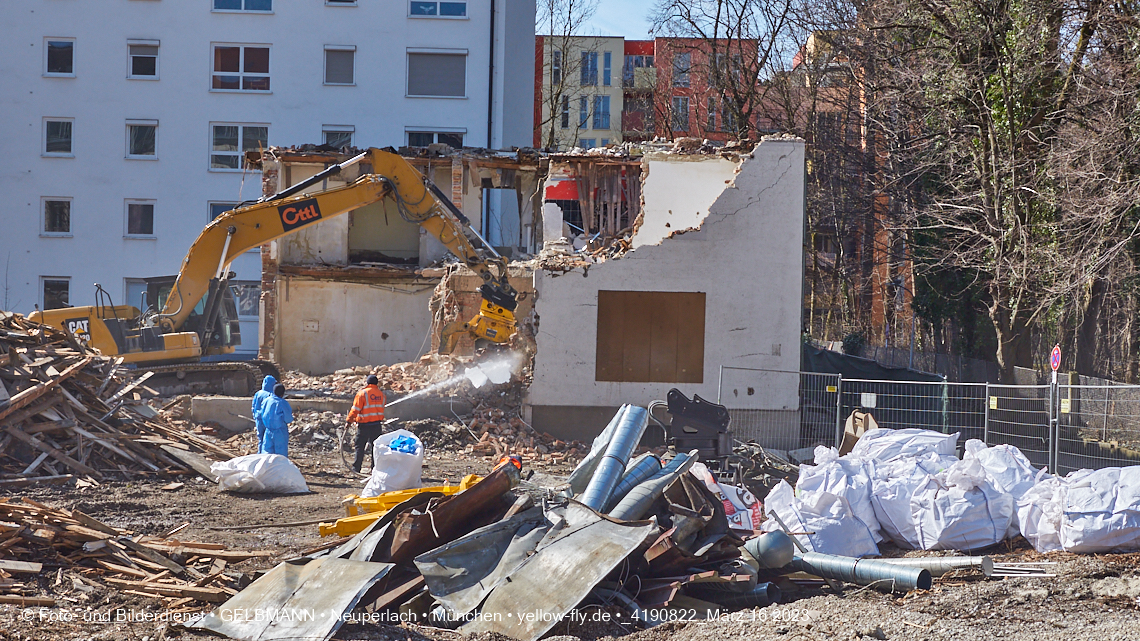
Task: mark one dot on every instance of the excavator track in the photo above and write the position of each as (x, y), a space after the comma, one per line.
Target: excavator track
(227, 378)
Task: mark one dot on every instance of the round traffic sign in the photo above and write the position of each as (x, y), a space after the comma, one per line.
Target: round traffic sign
(1055, 357)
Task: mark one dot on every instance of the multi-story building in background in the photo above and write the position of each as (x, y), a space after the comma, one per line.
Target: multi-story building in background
(126, 122)
(578, 91)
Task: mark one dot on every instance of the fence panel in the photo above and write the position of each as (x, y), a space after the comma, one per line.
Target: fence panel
(1099, 426)
(781, 409)
(943, 407)
(1018, 415)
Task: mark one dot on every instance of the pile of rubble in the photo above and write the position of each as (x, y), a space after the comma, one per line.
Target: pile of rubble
(500, 434)
(67, 411)
(36, 540)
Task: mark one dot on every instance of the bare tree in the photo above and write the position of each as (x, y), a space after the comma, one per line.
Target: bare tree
(564, 23)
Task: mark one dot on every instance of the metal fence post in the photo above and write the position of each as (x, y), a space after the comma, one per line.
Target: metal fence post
(1053, 425)
(986, 418)
(839, 412)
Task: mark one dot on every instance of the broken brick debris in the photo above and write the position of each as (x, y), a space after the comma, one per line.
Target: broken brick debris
(65, 409)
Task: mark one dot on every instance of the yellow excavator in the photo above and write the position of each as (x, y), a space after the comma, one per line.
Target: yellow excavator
(192, 315)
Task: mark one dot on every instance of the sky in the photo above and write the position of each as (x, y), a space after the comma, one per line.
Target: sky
(620, 18)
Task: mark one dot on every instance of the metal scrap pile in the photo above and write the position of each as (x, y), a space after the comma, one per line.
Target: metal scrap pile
(68, 412)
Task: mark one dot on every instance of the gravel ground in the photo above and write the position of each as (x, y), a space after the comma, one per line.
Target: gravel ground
(1093, 597)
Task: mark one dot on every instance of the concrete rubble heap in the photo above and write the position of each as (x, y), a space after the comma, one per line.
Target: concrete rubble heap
(69, 412)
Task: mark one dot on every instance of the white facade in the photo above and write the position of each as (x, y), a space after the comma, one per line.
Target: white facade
(375, 53)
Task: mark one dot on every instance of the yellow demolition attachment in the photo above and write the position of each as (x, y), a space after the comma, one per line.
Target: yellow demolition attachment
(362, 512)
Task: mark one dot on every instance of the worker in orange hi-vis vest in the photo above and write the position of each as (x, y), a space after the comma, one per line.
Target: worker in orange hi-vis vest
(368, 414)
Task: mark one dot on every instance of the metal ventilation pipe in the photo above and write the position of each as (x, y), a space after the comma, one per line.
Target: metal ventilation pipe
(582, 474)
(639, 470)
(762, 595)
(635, 504)
(939, 565)
(627, 435)
(772, 550)
(883, 576)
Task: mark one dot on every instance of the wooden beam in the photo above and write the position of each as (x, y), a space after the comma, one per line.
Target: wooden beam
(54, 453)
(27, 396)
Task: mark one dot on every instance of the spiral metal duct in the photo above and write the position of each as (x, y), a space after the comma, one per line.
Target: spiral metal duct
(635, 504)
(761, 596)
(771, 550)
(639, 470)
(627, 435)
(883, 576)
(584, 471)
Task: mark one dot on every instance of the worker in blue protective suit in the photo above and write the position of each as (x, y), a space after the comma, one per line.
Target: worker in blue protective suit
(276, 415)
(259, 398)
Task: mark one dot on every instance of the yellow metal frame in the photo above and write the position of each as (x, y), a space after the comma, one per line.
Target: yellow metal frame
(362, 512)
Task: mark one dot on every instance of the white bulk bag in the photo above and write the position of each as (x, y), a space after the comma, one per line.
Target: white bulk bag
(268, 473)
(893, 484)
(1102, 511)
(960, 509)
(829, 517)
(392, 470)
(1041, 511)
(843, 476)
(882, 445)
(1007, 468)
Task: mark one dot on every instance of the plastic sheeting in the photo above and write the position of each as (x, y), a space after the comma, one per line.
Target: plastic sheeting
(266, 473)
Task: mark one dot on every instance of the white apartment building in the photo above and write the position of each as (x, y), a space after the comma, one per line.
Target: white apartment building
(124, 121)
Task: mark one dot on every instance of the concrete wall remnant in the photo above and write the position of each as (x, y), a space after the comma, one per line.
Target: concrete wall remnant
(746, 258)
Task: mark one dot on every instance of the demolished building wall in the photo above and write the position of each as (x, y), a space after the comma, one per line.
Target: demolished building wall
(743, 264)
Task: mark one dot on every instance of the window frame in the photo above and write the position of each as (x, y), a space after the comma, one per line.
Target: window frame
(410, 51)
(555, 67)
(676, 112)
(71, 139)
(141, 123)
(241, 75)
(436, 15)
(130, 58)
(583, 113)
(607, 69)
(338, 129)
(237, 301)
(711, 115)
(42, 294)
(325, 74)
(600, 118)
(240, 153)
(57, 74)
(44, 200)
(214, 9)
(682, 78)
(127, 202)
(435, 132)
(588, 69)
(565, 112)
(341, 3)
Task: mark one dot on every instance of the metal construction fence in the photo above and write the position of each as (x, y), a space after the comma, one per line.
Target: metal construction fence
(1062, 427)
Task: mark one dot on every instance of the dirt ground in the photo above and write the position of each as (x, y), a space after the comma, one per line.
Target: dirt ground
(1092, 597)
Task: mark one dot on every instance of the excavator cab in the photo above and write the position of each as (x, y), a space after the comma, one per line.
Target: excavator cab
(219, 335)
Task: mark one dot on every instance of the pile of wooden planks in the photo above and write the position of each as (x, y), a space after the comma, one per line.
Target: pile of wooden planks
(36, 539)
(68, 412)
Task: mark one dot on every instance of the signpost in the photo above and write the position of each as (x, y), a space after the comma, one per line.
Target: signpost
(1055, 363)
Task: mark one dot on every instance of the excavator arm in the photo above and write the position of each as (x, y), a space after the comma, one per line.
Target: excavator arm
(205, 270)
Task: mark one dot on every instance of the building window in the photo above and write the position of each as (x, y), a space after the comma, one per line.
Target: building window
(59, 57)
(728, 118)
(425, 138)
(565, 112)
(631, 63)
(651, 337)
(680, 113)
(583, 112)
(712, 114)
(341, 3)
(555, 68)
(217, 209)
(605, 141)
(587, 143)
(340, 63)
(241, 68)
(437, 74)
(140, 219)
(228, 142)
(57, 216)
(419, 9)
(338, 136)
(142, 60)
(607, 64)
(57, 136)
(681, 66)
(589, 69)
(243, 5)
(142, 139)
(56, 291)
(601, 112)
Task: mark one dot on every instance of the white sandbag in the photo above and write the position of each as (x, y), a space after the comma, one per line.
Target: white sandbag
(893, 484)
(1007, 468)
(960, 509)
(829, 517)
(393, 470)
(265, 473)
(1102, 511)
(1041, 511)
(846, 477)
(744, 512)
(882, 445)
